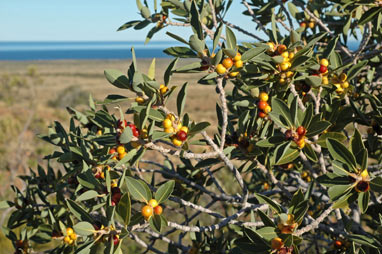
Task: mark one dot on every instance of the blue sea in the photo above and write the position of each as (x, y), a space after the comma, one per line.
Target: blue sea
(21, 51)
(82, 50)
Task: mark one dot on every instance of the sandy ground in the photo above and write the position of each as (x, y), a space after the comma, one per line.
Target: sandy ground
(88, 75)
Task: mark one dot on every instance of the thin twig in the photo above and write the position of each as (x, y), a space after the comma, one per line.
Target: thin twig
(225, 112)
(294, 92)
(273, 179)
(230, 166)
(168, 172)
(165, 239)
(143, 244)
(179, 152)
(284, 25)
(213, 13)
(254, 16)
(366, 38)
(315, 223)
(323, 26)
(288, 16)
(242, 30)
(223, 223)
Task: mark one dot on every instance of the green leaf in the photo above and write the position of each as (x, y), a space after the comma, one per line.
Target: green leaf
(151, 33)
(195, 21)
(109, 247)
(271, 141)
(317, 128)
(292, 9)
(274, 27)
(339, 152)
(358, 149)
(128, 25)
(330, 48)
(279, 107)
(231, 39)
(192, 67)
(376, 184)
(113, 98)
(176, 37)
(369, 15)
(242, 103)
(355, 69)
(340, 168)
(294, 36)
(145, 12)
(279, 120)
(308, 114)
(252, 53)
(138, 189)
(88, 180)
(217, 36)
(278, 59)
(84, 228)
(91, 102)
(363, 201)
(151, 72)
(297, 198)
(124, 209)
(87, 195)
(196, 44)
(230, 52)
(363, 240)
(126, 136)
(5, 204)
(78, 211)
(164, 191)
(285, 154)
(265, 200)
(142, 24)
(127, 158)
(294, 112)
(346, 199)
(314, 81)
(310, 153)
(139, 4)
(182, 52)
(337, 191)
(331, 179)
(345, 28)
(255, 237)
(335, 60)
(315, 39)
(300, 210)
(268, 233)
(265, 219)
(85, 248)
(198, 128)
(298, 61)
(117, 78)
(333, 135)
(168, 73)
(181, 99)
(156, 222)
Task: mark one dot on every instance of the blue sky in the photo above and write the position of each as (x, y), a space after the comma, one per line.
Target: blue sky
(84, 20)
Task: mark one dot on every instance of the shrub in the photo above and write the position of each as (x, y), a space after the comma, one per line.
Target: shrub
(70, 96)
(289, 169)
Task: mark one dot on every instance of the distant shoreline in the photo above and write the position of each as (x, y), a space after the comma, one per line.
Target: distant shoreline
(22, 51)
(82, 50)
(80, 60)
